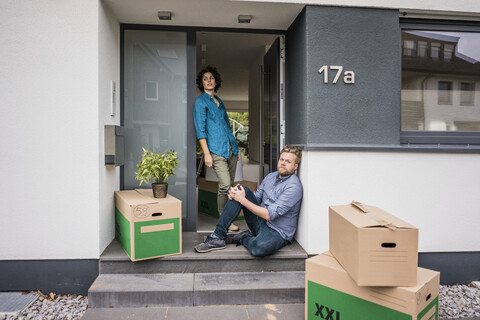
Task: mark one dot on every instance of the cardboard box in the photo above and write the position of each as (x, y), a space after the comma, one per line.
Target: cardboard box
(207, 195)
(330, 293)
(148, 227)
(375, 247)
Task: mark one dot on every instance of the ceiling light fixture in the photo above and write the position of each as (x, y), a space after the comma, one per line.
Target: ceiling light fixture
(244, 18)
(165, 15)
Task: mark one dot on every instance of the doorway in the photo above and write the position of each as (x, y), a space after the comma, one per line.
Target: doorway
(158, 93)
(250, 67)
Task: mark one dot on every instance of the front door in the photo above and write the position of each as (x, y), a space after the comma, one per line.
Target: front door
(271, 107)
(157, 108)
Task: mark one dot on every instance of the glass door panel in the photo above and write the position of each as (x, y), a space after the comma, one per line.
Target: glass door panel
(155, 103)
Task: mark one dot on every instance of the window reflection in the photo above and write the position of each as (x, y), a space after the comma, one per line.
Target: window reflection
(440, 81)
(155, 103)
(422, 49)
(444, 92)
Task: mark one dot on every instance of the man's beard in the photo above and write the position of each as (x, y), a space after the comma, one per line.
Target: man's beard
(284, 173)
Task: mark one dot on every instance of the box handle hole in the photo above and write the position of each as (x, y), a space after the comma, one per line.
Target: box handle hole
(389, 245)
(428, 297)
(157, 214)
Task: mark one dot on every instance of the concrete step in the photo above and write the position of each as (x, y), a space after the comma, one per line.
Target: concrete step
(114, 260)
(141, 290)
(294, 311)
(249, 288)
(199, 289)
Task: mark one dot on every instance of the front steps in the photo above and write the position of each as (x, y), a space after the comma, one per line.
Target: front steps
(222, 277)
(199, 289)
(232, 259)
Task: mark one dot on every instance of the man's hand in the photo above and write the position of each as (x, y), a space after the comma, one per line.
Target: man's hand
(236, 193)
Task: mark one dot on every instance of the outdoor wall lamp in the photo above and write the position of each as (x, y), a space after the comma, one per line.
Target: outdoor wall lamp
(165, 15)
(244, 18)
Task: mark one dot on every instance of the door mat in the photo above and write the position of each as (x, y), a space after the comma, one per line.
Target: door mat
(13, 303)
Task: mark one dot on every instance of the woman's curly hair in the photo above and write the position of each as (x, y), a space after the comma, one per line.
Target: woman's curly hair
(216, 75)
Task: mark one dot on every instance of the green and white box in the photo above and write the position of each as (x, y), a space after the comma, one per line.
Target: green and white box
(148, 227)
(207, 196)
(332, 294)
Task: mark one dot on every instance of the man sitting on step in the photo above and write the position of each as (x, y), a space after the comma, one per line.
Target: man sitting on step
(271, 212)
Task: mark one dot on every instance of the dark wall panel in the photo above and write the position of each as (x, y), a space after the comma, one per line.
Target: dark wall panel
(296, 79)
(364, 41)
(454, 267)
(59, 276)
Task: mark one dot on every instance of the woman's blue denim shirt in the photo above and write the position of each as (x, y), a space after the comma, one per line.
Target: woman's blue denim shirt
(212, 123)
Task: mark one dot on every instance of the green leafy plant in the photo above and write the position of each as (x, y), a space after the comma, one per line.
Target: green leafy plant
(156, 165)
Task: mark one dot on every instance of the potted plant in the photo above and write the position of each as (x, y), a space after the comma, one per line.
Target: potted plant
(158, 166)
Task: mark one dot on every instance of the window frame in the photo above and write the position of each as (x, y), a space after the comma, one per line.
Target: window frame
(471, 101)
(445, 93)
(439, 138)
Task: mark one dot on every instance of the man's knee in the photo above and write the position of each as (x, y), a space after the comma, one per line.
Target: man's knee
(247, 189)
(256, 252)
(258, 249)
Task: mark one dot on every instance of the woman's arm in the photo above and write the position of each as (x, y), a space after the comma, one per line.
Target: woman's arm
(208, 157)
(199, 119)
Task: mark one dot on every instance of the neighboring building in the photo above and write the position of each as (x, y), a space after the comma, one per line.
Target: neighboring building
(438, 84)
(383, 97)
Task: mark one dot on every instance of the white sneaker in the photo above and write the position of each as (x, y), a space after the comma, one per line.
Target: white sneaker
(233, 227)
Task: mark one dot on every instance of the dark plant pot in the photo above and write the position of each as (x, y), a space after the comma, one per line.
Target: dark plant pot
(160, 190)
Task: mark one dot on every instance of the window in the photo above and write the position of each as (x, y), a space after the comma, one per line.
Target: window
(447, 52)
(444, 92)
(467, 93)
(239, 126)
(422, 49)
(440, 80)
(435, 50)
(408, 48)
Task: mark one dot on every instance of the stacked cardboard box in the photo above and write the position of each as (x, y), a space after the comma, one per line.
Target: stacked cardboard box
(207, 195)
(371, 270)
(148, 227)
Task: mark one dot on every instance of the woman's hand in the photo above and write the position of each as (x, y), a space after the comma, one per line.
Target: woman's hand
(239, 156)
(208, 160)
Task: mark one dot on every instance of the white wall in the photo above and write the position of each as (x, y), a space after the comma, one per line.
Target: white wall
(49, 129)
(109, 69)
(437, 192)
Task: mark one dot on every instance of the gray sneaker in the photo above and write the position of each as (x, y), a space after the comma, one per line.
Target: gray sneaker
(210, 244)
(237, 237)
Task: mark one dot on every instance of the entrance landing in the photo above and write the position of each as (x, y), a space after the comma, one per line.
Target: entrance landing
(231, 259)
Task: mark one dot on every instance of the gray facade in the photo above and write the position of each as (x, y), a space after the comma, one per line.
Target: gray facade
(364, 113)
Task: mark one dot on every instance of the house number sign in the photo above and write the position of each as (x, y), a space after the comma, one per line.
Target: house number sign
(348, 76)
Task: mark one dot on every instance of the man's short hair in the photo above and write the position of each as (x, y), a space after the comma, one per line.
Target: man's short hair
(294, 150)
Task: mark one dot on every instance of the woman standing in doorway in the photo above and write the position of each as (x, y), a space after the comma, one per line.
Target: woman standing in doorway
(212, 126)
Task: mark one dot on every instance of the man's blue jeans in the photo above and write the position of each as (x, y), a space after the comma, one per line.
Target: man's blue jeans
(265, 240)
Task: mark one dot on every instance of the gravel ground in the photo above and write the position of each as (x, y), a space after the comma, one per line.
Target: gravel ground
(458, 301)
(52, 307)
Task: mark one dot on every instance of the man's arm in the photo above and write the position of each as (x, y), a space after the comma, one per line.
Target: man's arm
(289, 197)
(238, 194)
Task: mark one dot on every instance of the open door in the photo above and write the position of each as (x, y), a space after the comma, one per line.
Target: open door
(272, 107)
